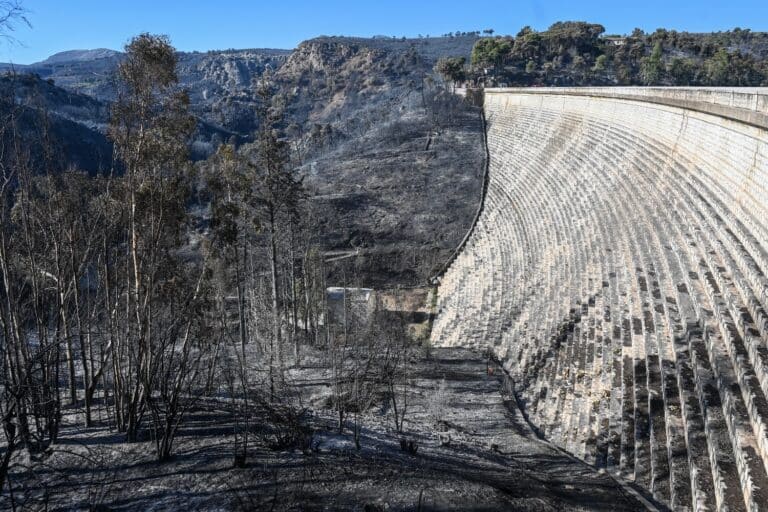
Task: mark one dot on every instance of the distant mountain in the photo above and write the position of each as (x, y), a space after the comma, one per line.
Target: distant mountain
(392, 162)
(78, 56)
(220, 82)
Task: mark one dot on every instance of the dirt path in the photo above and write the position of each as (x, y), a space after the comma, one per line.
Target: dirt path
(491, 443)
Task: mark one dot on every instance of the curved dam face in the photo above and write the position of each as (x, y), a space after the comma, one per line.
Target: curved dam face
(618, 268)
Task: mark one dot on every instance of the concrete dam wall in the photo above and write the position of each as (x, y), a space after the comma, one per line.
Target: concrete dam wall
(618, 268)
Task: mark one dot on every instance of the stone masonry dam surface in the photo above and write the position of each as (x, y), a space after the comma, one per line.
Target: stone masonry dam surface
(618, 269)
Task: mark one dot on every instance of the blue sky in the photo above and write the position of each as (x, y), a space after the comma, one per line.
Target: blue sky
(195, 25)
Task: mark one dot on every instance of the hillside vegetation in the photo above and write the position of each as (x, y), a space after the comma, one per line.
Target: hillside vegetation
(580, 53)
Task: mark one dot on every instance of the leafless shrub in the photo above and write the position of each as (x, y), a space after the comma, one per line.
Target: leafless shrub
(286, 427)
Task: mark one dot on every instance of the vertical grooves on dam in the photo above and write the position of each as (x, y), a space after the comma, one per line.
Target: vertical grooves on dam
(618, 269)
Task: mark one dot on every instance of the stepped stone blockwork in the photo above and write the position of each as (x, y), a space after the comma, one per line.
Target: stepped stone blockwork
(618, 268)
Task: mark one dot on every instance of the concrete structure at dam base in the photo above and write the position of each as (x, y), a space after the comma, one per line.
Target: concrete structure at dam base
(618, 269)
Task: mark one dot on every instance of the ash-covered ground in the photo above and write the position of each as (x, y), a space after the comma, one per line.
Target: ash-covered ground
(474, 451)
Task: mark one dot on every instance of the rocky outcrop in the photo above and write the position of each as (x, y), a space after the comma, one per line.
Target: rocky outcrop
(219, 82)
(392, 161)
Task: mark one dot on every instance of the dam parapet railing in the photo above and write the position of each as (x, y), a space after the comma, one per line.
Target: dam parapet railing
(743, 104)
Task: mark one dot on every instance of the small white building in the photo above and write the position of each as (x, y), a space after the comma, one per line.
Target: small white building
(353, 305)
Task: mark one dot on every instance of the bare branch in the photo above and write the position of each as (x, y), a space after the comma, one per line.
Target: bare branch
(12, 14)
